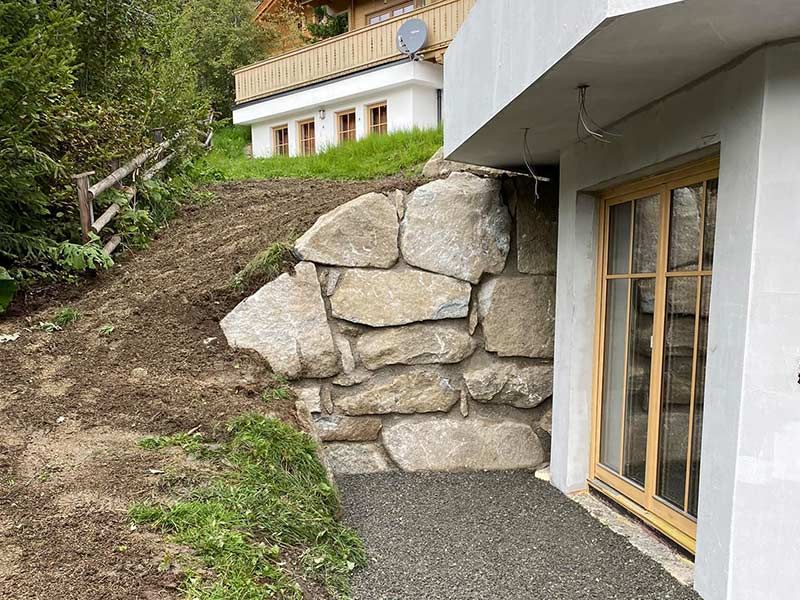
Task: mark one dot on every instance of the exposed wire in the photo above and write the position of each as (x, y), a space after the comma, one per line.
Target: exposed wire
(587, 123)
(527, 158)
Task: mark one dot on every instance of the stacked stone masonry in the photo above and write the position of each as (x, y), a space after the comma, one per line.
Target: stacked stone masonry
(418, 329)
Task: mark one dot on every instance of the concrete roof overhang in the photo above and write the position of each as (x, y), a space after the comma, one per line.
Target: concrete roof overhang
(630, 52)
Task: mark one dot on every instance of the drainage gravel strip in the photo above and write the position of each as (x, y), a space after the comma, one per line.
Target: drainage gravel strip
(502, 535)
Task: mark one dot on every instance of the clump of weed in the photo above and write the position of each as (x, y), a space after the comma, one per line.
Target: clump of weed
(106, 329)
(278, 390)
(66, 316)
(263, 268)
(191, 443)
(273, 506)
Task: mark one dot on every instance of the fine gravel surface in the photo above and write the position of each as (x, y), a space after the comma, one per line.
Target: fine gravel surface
(490, 536)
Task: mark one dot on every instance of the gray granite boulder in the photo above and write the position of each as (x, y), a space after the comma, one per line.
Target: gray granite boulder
(453, 443)
(360, 233)
(417, 344)
(517, 314)
(520, 383)
(398, 297)
(285, 322)
(457, 226)
(413, 391)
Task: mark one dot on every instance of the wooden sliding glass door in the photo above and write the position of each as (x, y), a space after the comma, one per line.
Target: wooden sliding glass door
(652, 325)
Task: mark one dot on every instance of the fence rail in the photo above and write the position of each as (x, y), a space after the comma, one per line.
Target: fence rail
(350, 52)
(87, 193)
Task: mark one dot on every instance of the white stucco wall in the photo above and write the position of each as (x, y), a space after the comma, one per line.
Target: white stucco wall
(409, 90)
(748, 536)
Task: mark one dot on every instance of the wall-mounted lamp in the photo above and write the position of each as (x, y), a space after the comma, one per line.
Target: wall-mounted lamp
(321, 114)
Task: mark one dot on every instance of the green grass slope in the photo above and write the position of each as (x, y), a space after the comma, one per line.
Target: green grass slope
(375, 156)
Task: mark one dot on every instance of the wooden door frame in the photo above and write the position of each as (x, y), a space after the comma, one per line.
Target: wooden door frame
(642, 501)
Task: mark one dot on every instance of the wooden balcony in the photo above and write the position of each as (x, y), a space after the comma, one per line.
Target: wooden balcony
(349, 52)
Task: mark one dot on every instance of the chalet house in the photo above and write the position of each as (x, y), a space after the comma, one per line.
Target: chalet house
(350, 85)
(670, 132)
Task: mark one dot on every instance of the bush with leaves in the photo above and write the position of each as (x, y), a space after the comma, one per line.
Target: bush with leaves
(106, 74)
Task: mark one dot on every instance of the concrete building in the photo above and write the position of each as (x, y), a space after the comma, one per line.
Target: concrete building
(350, 85)
(674, 131)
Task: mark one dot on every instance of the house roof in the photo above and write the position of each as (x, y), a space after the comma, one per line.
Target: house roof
(517, 64)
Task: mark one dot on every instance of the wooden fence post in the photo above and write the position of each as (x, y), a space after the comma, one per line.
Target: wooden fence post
(84, 203)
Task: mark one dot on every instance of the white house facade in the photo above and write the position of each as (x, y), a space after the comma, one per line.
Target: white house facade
(388, 98)
(674, 128)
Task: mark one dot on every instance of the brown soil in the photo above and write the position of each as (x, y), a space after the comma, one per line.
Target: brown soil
(73, 403)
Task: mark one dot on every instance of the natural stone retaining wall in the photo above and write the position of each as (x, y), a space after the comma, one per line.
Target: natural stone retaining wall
(419, 329)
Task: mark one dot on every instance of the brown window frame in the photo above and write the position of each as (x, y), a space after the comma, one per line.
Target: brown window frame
(302, 139)
(280, 148)
(381, 127)
(346, 134)
(389, 10)
(642, 500)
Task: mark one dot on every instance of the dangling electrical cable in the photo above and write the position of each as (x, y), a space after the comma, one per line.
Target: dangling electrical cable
(586, 121)
(527, 158)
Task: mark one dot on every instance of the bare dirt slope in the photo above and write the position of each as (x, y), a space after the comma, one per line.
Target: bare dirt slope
(73, 403)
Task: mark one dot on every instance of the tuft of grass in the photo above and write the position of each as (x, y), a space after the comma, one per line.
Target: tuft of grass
(66, 316)
(374, 156)
(191, 443)
(263, 268)
(279, 390)
(106, 329)
(273, 507)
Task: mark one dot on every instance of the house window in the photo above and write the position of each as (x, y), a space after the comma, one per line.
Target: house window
(346, 124)
(389, 13)
(280, 141)
(378, 118)
(307, 139)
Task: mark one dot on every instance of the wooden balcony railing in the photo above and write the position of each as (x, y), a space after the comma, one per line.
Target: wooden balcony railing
(348, 53)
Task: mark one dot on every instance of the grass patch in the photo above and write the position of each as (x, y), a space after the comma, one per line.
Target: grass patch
(272, 510)
(263, 268)
(374, 156)
(278, 391)
(66, 316)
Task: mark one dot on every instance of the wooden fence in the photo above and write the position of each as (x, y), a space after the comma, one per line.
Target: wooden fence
(87, 192)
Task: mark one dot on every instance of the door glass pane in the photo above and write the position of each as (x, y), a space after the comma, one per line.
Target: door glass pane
(697, 430)
(684, 228)
(710, 223)
(619, 238)
(638, 387)
(645, 234)
(676, 388)
(613, 373)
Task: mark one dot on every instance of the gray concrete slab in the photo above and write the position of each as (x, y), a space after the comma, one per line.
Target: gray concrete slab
(500, 535)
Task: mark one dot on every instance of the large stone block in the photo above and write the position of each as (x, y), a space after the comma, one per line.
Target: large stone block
(347, 429)
(360, 233)
(417, 344)
(515, 382)
(353, 459)
(398, 297)
(454, 443)
(285, 323)
(415, 391)
(517, 314)
(537, 226)
(458, 227)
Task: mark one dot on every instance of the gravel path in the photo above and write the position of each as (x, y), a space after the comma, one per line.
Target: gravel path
(490, 536)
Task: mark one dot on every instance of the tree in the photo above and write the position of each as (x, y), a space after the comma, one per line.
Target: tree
(218, 36)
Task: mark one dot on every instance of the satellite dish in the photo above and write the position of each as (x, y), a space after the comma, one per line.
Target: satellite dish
(411, 37)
